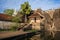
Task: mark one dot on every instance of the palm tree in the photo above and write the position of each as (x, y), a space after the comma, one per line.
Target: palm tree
(25, 9)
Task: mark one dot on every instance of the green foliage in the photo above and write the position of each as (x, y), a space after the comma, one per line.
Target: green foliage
(31, 30)
(9, 11)
(25, 8)
(2, 30)
(16, 19)
(14, 27)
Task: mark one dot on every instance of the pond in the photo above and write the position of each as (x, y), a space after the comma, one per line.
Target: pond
(40, 35)
(46, 36)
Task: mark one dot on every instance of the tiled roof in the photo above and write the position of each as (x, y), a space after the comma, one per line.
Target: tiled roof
(34, 15)
(5, 17)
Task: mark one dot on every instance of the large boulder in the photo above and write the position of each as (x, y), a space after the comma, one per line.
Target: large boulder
(56, 19)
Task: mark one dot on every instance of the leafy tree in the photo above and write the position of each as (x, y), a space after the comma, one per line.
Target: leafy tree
(14, 27)
(15, 19)
(25, 9)
(9, 11)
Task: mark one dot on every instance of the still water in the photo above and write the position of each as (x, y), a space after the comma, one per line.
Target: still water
(47, 35)
(42, 35)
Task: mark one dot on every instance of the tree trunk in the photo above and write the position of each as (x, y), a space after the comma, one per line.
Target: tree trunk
(25, 18)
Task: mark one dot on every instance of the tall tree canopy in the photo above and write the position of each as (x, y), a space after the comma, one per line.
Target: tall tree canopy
(25, 9)
(9, 11)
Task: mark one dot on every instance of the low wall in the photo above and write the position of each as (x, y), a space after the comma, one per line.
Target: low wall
(7, 25)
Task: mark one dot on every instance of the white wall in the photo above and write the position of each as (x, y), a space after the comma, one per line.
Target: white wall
(35, 25)
(38, 20)
(6, 25)
(32, 20)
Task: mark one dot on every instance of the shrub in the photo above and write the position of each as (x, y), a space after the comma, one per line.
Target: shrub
(14, 27)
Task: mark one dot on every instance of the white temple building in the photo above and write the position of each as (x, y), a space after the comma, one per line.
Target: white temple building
(15, 13)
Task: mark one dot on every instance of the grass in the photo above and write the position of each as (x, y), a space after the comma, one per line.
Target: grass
(31, 30)
(2, 30)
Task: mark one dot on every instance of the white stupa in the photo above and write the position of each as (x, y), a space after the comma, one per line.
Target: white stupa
(15, 13)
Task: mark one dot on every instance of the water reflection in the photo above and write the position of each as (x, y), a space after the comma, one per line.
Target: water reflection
(44, 35)
(47, 35)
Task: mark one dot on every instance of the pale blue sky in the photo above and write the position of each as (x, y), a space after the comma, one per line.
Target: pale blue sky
(43, 4)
